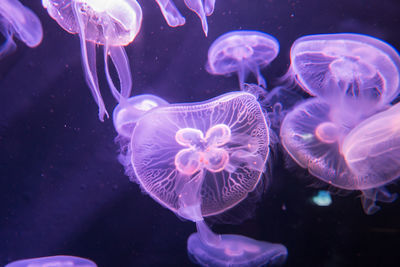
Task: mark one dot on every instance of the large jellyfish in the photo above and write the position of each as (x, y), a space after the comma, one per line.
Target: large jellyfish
(202, 159)
(18, 20)
(174, 18)
(242, 52)
(113, 24)
(53, 261)
(355, 68)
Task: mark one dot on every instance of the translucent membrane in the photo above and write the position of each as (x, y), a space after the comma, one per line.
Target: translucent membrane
(242, 52)
(112, 24)
(53, 261)
(18, 20)
(335, 66)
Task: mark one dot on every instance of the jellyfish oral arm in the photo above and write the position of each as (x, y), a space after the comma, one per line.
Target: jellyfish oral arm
(209, 6)
(9, 45)
(171, 14)
(197, 7)
(121, 63)
(370, 196)
(89, 63)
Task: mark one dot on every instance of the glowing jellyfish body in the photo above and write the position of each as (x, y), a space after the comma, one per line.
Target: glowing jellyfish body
(347, 67)
(317, 140)
(202, 159)
(53, 261)
(174, 18)
(242, 52)
(128, 112)
(111, 23)
(18, 20)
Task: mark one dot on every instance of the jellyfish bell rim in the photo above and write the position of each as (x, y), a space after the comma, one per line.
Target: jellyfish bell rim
(217, 43)
(120, 107)
(223, 98)
(48, 259)
(369, 40)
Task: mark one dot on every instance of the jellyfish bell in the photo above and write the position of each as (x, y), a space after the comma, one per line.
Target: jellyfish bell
(174, 18)
(317, 140)
(202, 159)
(128, 112)
(347, 67)
(18, 20)
(242, 52)
(56, 261)
(111, 23)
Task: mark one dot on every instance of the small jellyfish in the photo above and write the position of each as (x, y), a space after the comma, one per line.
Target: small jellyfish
(113, 24)
(346, 67)
(174, 18)
(18, 20)
(53, 261)
(128, 112)
(200, 160)
(242, 52)
(314, 135)
(322, 199)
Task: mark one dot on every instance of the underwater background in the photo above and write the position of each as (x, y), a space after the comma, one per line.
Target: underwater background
(63, 191)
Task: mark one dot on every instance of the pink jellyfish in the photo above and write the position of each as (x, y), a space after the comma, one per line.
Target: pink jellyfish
(200, 160)
(174, 18)
(113, 24)
(56, 261)
(18, 20)
(242, 52)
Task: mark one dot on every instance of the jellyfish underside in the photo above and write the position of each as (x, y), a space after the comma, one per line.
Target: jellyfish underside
(56, 261)
(174, 18)
(112, 25)
(242, 52)
(18, 20)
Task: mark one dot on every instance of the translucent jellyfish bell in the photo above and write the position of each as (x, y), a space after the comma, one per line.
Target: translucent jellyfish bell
(128, 112)
(174, 18)
(242, 52)
(53, 261)
(315, 138)
(202, 159)
(357, 66)
(111, 23)
(18, 20)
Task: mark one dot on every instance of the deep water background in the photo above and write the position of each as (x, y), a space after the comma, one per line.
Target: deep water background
(63, 191)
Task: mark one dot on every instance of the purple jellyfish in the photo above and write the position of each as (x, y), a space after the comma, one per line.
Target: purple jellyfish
(18, 20)
(242, 52)
(53, 261)
(334, 151)
(113, 24)
(346, 67)
(200, 160)
(174, 18)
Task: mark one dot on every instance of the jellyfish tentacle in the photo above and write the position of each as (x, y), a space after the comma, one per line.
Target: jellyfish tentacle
(260, 79)
(87, 64)
(171, 14)
(209, 6)
(197, 7)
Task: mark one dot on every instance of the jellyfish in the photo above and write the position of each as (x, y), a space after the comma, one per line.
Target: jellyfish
(322, 138)
(352, 68)
(113, 24)
(128, 112)
(18, 20)
(322, 199)
(242, 52)
(200, 160)
(203, 9)
(53, 261)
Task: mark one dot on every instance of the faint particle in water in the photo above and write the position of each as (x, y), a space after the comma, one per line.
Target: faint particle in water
(242, 52)
(53, 261)
(322, 199)
(113, 24)
(18, 20)
(174, 18)
(202, 159)
(348, 67)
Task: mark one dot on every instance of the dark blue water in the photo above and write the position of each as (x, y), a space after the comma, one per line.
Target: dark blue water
(63, 191)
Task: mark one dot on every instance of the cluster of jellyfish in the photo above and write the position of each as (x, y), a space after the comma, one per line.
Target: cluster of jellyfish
(202, 159)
